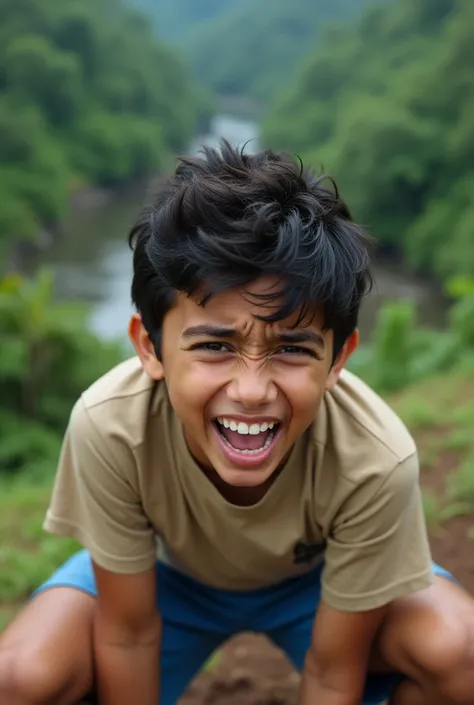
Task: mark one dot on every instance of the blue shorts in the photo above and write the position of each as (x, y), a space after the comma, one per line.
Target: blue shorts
(197, 619)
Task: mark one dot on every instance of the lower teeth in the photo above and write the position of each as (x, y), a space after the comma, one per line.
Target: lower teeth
(270, 437)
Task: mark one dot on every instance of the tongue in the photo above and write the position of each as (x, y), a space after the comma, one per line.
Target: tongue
(244, 442)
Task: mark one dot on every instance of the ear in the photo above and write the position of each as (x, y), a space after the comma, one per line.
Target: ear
(347, 349)
(144, 348)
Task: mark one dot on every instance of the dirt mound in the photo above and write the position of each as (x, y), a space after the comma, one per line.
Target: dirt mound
(250, 672)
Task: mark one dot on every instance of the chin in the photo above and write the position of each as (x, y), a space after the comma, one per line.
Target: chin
(244, 477)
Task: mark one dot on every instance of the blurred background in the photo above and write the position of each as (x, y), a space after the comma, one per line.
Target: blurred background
(97, 97)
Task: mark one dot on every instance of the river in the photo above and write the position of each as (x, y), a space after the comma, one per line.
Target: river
(92, 262)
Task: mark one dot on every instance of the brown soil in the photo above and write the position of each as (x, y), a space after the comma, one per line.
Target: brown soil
(251, 671)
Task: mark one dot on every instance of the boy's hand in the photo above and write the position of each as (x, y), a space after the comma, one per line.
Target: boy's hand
(336, 664)
(127, 637)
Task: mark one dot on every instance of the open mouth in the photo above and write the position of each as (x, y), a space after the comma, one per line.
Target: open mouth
(252, 440)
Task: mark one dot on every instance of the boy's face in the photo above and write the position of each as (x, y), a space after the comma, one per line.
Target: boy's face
(244, 390)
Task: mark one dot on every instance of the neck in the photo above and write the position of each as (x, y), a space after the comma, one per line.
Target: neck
(240, 496)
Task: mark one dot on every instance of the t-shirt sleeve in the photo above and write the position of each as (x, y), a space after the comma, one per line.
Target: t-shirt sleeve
(378, 547)
(94, 499)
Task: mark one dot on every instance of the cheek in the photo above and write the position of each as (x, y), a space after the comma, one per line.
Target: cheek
(192, 385)
(303, 387)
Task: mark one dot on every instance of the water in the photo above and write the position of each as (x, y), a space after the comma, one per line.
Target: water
(92, 261)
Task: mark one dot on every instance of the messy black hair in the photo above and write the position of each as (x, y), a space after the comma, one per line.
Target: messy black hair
(226, 218)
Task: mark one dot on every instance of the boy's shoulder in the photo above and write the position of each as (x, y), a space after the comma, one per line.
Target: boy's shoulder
(123, 382)
(122, 401)
(359, 431)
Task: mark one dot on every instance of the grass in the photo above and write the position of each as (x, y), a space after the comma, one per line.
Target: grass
(28, 555)
(440, 414)
(212, 662)
(431, 508)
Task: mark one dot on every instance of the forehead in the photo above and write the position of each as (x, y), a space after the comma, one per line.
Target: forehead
(240, 307)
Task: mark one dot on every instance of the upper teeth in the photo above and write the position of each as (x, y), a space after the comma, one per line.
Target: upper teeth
(244, 428)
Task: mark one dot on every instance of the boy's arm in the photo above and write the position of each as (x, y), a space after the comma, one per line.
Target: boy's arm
(377, 551)
(127, 635)
(336, 663)
(96, 499)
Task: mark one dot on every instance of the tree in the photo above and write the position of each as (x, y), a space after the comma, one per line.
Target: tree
(47, 358)
(88, 95)
(386, 107)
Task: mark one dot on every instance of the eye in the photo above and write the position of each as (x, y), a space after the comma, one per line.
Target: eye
(212, 347)
(295, 350)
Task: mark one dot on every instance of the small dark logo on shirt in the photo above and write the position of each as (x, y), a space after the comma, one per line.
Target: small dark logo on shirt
(307, 552)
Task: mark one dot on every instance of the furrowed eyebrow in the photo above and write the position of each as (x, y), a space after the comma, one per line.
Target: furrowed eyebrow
(306, 336)
(289, 337)
(209, 331)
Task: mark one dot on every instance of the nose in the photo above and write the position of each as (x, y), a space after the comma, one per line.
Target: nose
(252, 387)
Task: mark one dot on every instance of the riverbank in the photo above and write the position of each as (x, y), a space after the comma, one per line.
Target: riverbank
(91, 261)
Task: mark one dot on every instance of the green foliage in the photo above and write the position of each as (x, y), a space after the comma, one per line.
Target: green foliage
(175, 19)
(33, 171)
(440, 412)
(47, 358)
(28, 555)
(462, 320)
(246, 47)
(402, 352)
(87, 95)
(461, 484)
(386, 107)
(254, 34)
(431, 509)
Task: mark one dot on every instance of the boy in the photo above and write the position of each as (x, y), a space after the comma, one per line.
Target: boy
(278, 491)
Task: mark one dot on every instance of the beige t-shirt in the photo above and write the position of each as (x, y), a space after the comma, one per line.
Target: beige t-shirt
(128, 489)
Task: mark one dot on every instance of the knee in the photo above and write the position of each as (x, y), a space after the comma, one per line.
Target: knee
(26, 679)
(459, 679)
(449, 661)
